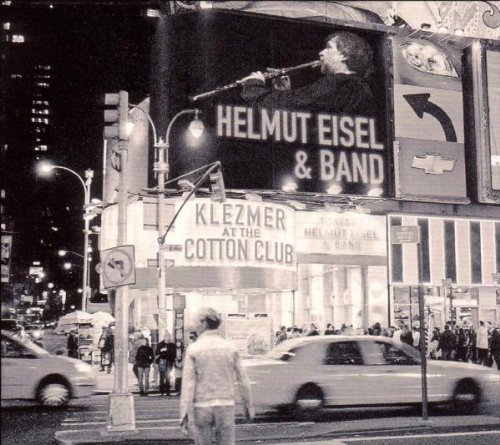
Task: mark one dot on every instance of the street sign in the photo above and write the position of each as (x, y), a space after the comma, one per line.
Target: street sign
(405, 234)
(118, 266)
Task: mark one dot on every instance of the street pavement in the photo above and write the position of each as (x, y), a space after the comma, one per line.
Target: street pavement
(157, 423)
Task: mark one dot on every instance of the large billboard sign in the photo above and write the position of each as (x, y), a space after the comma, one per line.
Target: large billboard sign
(281, 112)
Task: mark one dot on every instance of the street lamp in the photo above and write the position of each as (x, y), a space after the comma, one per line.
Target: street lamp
(162, 168)
(46, 168)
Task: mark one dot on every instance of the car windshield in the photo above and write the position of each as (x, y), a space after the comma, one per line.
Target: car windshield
(27, 343)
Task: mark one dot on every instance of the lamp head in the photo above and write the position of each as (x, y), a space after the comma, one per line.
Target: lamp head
(67, 266)
(196, 126)
(62, 252)
(44, 168)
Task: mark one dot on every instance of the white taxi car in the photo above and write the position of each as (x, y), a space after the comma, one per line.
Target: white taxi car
(30, 372)
(309, 373)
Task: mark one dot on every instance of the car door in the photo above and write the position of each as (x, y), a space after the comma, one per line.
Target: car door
(19, 366)
(391, 372)
(342, 372)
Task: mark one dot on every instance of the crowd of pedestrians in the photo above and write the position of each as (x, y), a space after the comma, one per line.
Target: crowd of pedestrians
(460, 343)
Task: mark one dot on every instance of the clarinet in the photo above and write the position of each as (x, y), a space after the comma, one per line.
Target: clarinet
(267, 75)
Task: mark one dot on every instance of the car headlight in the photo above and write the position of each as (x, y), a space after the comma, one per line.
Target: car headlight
(83, 367)
(428, 59)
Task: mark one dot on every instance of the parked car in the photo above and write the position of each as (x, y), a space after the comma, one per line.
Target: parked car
(30, 372)
(309, 373)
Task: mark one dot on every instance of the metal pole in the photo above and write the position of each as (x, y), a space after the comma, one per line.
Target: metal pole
(121, 402)
(423, 355)
(85, 245)
(161, 168)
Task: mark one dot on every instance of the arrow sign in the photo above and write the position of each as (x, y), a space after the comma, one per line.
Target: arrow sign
(420, 105)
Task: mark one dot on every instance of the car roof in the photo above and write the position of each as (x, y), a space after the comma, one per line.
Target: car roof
(300, 341)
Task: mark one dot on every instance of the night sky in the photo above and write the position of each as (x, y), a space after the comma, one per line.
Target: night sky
(93, 49)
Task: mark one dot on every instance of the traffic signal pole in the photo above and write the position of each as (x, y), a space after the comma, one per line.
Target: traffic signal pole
(121, 414)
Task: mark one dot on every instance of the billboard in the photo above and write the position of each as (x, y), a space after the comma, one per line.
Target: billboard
(301, 127)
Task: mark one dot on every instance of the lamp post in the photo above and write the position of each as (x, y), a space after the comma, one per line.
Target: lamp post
(162, 168)
(89, 174)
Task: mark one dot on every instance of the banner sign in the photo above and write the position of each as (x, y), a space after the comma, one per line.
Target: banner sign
(322, 129)
(341, 234)
(236, 233)
(251, 335)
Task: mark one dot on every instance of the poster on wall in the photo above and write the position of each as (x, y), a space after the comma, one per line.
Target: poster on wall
(280, 112)
(250, 333)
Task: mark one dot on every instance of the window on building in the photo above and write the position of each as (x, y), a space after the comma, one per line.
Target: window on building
(17, 38)
(16, 76)
(475, 252)
(6, 26)
(449, 251)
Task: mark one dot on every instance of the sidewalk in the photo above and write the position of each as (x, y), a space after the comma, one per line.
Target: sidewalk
(106, 382)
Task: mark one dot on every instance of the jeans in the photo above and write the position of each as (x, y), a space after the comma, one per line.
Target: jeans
(164, 371)
(216, 419)
(143, 379)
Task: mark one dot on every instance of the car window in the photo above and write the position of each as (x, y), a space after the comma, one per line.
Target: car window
(12, 349)
(343, 353)
(396, 356)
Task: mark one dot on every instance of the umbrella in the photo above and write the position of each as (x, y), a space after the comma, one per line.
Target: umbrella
(72, 320)
(101, 318)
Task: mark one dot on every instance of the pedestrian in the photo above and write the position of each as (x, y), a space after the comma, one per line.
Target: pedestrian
(101, 345)
(109, 349)
(210, 367)
(329, 329)
(132, 352)
(461, 346)
(72, 344)
(447, 343)
(416, 337)
(165, 357)
(280, 336)
(144, 357)
(482, 343)
(396, 336)
(495, 346)
(406, 335)
(313, 330)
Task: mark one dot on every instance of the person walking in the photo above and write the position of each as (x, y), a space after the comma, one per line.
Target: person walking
(144, 357)
(101, 345)
(482, 343)
(109, 349)
(211, 365)
(165, 357)
(416, 337)
(495, 346)
(447, 343)
(72, 344)
(133, 346)
(406, 336)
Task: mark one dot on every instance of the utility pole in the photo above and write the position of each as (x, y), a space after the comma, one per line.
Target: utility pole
(121, 414)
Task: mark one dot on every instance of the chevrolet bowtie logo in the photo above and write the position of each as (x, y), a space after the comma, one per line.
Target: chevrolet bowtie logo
(433, 163)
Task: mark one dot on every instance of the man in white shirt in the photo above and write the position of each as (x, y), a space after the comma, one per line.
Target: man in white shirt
(208, 394)
(416, 337)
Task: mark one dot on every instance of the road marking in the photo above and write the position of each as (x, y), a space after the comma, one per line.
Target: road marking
(414, 436)
(69, 423)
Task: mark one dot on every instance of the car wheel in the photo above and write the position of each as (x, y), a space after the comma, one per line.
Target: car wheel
(308, 402)
(54, 394)
(466, 397)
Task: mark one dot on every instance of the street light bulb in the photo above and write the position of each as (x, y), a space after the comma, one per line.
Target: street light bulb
(196, 128)
(62, 252)
(67, 266)
(44, 168)
(50, 285)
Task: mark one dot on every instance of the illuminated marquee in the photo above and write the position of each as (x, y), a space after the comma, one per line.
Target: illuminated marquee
(234, 234)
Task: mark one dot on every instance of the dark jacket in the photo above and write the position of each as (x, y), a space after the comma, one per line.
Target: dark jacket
(166, 351)
(340, 93)
(72, 341)
(144, 356)
(109, 343)
(407, 338)
(495, 342)
(448, 340)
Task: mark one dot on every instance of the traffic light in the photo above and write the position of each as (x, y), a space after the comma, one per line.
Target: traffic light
(217, 187)
(117, 117)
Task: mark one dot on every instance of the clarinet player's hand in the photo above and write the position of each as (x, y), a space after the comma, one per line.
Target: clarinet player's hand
(255, 78)
(281, 83)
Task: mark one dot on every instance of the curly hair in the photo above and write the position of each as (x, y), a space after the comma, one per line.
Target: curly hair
(358, 52)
